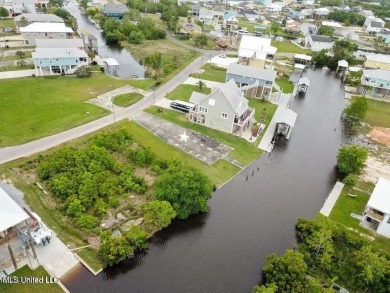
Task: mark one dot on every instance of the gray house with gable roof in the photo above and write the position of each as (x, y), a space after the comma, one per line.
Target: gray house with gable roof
(225, 109)
(318, 42)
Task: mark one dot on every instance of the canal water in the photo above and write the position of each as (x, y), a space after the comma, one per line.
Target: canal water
(128, 66)
(251, 217)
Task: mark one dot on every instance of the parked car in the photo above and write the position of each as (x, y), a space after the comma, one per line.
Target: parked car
(222, 56)
(8, 30)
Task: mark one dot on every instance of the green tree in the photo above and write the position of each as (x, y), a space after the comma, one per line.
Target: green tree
(357, 110)
(115, 250)
(158, 214)
(187, 189)
(200, 40)
(350, 180)
(351, 159)
(23, 21)
(326, 30)
(274, 28)
(272, 288)
(3, 12)
(135, 37)
(75, 208)
(321, 58)
(57, 3)
(287, 272)
(87, 222)
(372, 269)
(137, 237)
(20, 54)
(83, 71)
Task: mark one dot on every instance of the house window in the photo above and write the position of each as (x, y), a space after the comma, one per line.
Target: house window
(45, 34)
(211, 102)
(57, 59)
(224, 115)
(203, 109)
(388, 221)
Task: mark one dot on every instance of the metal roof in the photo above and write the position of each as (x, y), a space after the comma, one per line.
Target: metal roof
(59, 43)
(302, 57)
(251, 72)
(285, 116)
(342, 63)
(111, 62)
(11, 213)
(114, 8)
(320, 38)
(44, 53)
(196, 97)
(46, 27)
(304, 80)
(380, 197)
(33, 17)
(377, 74)
(376, 24)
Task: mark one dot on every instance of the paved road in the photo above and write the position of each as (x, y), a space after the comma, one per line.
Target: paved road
(12, 153)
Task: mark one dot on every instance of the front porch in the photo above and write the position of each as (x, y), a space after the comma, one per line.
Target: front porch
(372, 219)
(244, 122)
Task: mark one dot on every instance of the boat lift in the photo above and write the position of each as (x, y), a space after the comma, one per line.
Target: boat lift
(303, 85)
(285, 121)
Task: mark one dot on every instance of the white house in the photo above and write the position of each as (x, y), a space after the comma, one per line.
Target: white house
(229, 20)
(273, 9)
(366, 13)
(206, 16)
(256, 48)
(40, 30)
(318, 42)
(372, 18)
(374, 27)
(306, 2)
(23, 6)
(321, 12)
(377, 213)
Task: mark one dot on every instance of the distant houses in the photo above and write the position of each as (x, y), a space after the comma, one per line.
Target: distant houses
(114, 10)
(40, 30)
(230, 21)
(377, 61)
(377, 81)
(23, 6)
(225, 109)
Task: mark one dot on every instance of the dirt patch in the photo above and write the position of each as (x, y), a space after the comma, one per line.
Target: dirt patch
(146, 174)
(380, 135)
(375, 168)
(94, 241)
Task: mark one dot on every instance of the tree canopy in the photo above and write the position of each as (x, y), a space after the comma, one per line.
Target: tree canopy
(351, 159)
(158, 214)
(3, 12)
(357, 110)
(185, 188)
(326, 30)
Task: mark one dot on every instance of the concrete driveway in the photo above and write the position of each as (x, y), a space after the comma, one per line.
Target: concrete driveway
(195, 144)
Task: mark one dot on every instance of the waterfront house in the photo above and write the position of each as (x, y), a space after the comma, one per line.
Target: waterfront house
(229, 20)
(206, 16)
(255, 51)
(225, 109)
(377, 81)
(23, 6)
(40, 30)
(376, 215)
(307, 13)
(253, 81)
(218, 12)
(318, 42)
(49, 61)
(366, 13)
(377, 61)
(25, 19)
(114, 10)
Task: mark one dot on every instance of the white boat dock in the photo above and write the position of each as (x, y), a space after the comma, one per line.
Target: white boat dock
(332, 198)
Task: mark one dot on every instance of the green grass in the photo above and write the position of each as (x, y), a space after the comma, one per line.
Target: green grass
(14, 57)
(7, 22)
(183, 92)
(213, 73)
(243, 23)
(378, 113)
(243, 150)
(25, 271)
(345, 205)
(285, 84)
(288, 47)
(33, 108)
(126, 100)
(210, 43)
(220, 172)
(90, 256)
(15, 68)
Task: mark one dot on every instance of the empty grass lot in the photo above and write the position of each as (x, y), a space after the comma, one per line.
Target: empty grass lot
(28, 288)
(378, 113)
(243, 150)
(129, 99)
(183, 92)
(346, 205)
(33, 108)
(213, 73)
(288, 47)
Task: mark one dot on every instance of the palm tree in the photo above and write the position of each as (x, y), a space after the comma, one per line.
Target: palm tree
(22, 63)
(201, 84)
